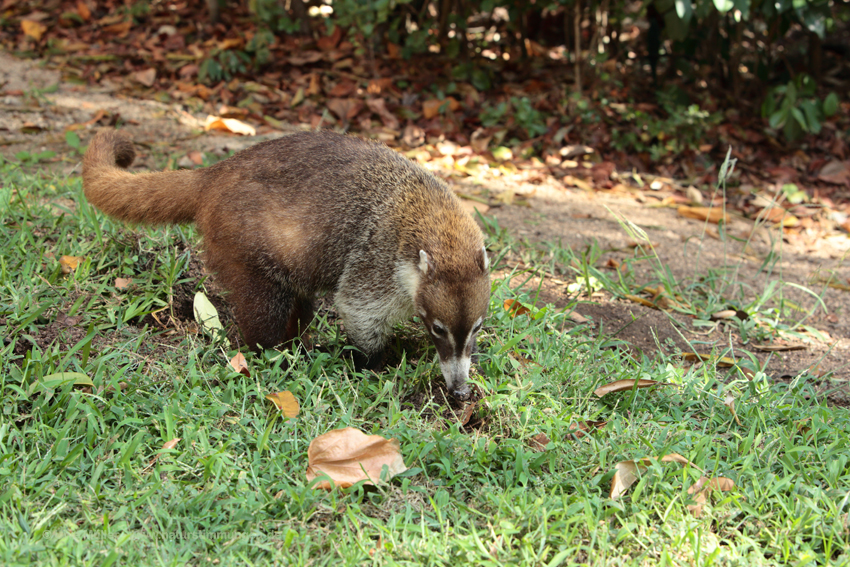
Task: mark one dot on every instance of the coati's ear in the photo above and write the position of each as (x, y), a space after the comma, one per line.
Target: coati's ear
(482, 260)
(424, 262)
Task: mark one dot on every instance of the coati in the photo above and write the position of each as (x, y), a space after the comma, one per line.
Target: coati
(318, 212)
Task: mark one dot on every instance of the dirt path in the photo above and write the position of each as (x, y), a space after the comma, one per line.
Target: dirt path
(37, 107)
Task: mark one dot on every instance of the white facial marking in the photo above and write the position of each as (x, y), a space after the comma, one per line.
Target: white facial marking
(408, 277)
(423, 262)
(486, 259)
(444, 335)
(456, 371)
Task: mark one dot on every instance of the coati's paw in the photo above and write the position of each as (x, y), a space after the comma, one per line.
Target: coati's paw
(363, 361)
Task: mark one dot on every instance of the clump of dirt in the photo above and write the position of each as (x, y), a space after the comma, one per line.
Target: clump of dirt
(61, 328)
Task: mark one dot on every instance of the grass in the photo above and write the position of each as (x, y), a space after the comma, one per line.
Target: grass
(84, 478)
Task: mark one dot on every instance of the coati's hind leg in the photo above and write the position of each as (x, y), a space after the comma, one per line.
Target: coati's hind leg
(269, 313)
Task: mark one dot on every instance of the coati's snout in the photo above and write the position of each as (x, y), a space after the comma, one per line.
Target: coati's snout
(453, 310)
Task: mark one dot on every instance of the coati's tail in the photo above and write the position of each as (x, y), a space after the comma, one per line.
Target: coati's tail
(167, 197)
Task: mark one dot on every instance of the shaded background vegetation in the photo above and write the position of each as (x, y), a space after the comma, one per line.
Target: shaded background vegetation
(648, 82)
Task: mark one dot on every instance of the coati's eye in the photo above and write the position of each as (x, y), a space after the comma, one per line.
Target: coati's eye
(476, 328)
(438, 330)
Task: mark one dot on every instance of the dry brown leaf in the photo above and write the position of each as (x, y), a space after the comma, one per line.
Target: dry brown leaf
(722, 362)
(621, 385)
(720, 483)
(240, 365)
(538, 442)
(467, 413)
(345, 108)
(711, 214)
(836, 172)
(577, 317)
(725, 314)
(516, 308)
(379, 107)
(285, 402)
(628, 471)
(83, 10)
(146, 77)
(582, 428)
(413, 136)
(229, 125)
(703, 487)
(123, 283)
(571, 181)
(70, 263)
(348, 456)
(120, 29)
(167, 445)
(431, 108)
(33, 29)
(641, 301)
(195, 157)
(625, 476)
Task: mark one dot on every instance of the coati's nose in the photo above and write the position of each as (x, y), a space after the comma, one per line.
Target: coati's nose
(462, 392)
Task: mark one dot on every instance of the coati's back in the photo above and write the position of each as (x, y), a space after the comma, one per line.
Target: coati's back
(315, 198)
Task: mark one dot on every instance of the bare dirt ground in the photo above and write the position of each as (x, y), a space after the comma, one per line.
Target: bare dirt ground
(37, 107)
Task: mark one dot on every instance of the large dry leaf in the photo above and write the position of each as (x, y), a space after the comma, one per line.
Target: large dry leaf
(621, 385)
(286, 403)
(628, 472)
(348, 456)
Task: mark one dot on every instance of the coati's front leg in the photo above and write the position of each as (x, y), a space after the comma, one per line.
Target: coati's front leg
(368, 327)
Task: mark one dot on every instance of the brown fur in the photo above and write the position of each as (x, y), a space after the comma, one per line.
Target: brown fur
(312, 212)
